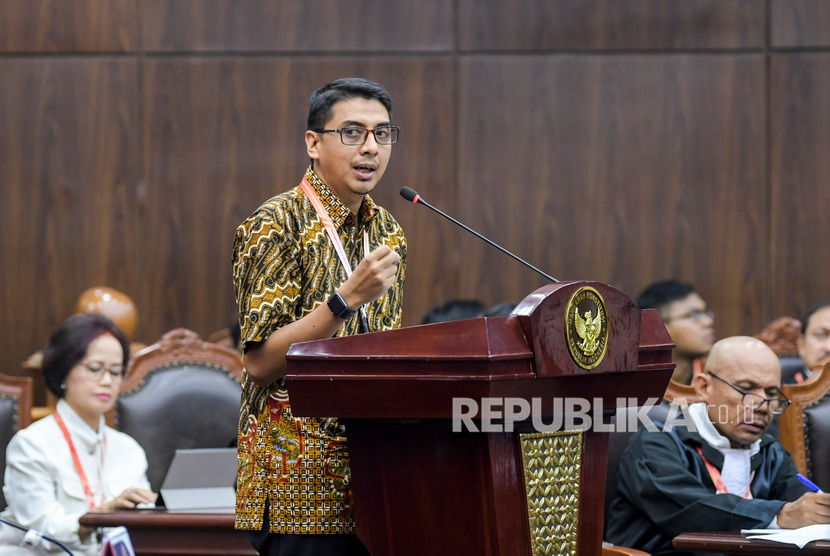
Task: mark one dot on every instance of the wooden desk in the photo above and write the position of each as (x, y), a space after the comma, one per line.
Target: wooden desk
(155, 532)
(733, 542)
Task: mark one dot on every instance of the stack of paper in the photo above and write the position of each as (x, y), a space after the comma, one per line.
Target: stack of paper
(799, 537)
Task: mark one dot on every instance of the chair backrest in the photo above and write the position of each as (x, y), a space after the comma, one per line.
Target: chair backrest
(15, 414)
(782, 335)
(181, 392)
(223, 337)
(618, 442)
(676, 392)
(804, 428)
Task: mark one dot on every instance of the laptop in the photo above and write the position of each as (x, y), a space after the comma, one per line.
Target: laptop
(200, 480)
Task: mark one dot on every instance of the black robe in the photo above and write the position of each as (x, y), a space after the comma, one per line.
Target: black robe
(665, 490)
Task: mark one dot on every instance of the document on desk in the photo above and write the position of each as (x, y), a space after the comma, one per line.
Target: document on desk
(799, 537)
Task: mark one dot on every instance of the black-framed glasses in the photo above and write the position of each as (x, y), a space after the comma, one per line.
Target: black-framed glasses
(356, 135)
(96, 370)
(695, 314)
(751, 400)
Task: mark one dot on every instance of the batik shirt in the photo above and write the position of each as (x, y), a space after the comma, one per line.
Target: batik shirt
(285, 265)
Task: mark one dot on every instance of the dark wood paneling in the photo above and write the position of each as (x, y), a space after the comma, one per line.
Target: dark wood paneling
(610, 24)
(134, 172)
(425, 106)
(618, 169)
(60, 26)
(799, 166)
(217, 144)
(68, 171)
(225, 135)
(276, 25)
(799, 23)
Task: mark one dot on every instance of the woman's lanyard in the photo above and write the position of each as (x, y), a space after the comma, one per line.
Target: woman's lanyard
(323, 214)
(90, 497)
(720, 487)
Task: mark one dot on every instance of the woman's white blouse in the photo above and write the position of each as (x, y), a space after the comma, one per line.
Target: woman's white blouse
(43, 489)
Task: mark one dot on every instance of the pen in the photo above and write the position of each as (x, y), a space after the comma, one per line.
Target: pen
(809, 484)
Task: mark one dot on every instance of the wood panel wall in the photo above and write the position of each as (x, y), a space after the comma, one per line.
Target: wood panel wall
(618, 141)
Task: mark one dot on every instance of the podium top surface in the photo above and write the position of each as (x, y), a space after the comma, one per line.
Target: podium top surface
(567, 338)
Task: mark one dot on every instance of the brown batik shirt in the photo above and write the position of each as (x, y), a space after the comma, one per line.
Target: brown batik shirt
(285, 265)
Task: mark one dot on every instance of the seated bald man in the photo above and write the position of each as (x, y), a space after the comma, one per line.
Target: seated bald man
(721, 472)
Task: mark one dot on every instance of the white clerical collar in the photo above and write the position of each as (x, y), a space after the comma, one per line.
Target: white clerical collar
(711, 435)
(737, 467)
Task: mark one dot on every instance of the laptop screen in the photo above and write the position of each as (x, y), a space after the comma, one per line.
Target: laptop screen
(200, 479)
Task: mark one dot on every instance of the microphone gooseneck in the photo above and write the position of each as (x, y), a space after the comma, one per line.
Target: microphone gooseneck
(412, 196)
(32, 538)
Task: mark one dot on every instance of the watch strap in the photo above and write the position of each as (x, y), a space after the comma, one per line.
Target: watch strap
(338, 306)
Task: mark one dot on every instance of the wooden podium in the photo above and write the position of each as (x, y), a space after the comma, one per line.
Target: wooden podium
(422, 488)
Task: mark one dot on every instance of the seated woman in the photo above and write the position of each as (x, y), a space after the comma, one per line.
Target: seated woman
(70, 462)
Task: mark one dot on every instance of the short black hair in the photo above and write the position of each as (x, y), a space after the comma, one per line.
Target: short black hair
(809, 314)
(659, 294)
(454, 309)
(69, 343)
(500, 309)
(321, 101)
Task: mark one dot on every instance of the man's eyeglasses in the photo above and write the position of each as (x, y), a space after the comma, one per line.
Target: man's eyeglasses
(696, 315)
(96, 370)
(355, 135)
(750, 400)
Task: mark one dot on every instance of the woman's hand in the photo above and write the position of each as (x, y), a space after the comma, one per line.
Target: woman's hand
(129, 499)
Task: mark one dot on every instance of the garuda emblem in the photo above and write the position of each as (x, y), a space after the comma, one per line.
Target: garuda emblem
(586, 327)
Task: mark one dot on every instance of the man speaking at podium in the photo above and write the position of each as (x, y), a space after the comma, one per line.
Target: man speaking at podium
(317, 261)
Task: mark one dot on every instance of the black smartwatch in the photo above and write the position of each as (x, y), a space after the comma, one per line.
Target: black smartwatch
(338, 306)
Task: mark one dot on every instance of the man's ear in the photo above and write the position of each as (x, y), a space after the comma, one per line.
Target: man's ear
(703, 386)
(312, 143)
(799, 344)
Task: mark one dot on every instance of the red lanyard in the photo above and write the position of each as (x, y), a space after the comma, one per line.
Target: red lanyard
(329, 225)
(90, 498)
(323, 214)
(720, 487)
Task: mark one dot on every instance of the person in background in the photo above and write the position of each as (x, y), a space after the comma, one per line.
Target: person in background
(454, 309)
(689, 321)
(70, 462)
(317, 261)
(115, 305)
(814, 342)
(500, 309)
(720, 472)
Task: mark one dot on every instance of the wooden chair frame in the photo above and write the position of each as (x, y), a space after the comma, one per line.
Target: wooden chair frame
(677, 392)
(22, 389)
(791, 430)
(179, 344)
(19, 390)
(782, 335)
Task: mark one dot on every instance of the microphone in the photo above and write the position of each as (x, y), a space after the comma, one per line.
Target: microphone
(411, 195)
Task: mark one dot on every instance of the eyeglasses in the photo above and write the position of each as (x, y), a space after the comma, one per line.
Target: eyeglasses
(96, 370)
(750, 400)
(696, 315)
(355, 135)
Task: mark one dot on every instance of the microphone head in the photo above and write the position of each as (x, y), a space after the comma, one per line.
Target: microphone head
(409, 194)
